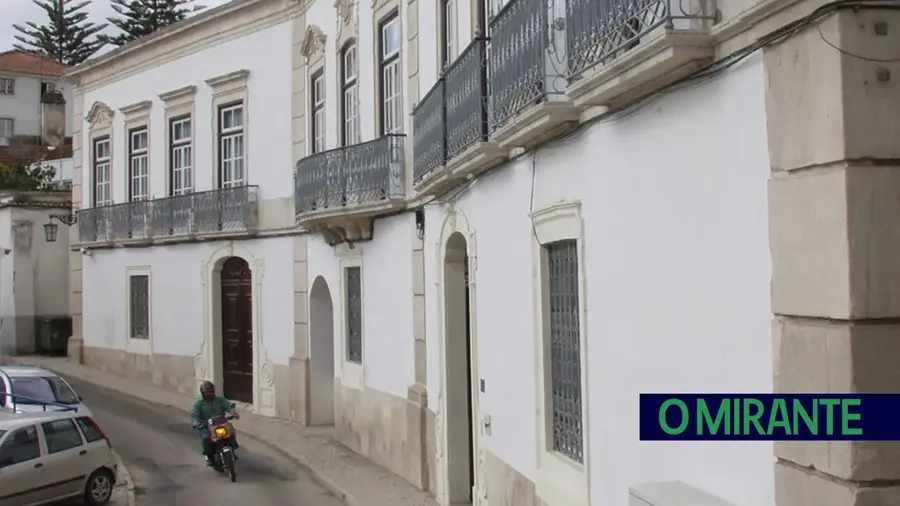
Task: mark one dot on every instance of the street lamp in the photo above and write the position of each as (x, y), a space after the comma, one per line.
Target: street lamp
(51, 229)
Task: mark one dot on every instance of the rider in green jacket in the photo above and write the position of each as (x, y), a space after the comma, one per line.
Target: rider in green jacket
(210, 405)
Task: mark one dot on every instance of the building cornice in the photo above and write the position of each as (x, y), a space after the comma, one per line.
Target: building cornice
(230, 21)
(180, 93)
(136, 108)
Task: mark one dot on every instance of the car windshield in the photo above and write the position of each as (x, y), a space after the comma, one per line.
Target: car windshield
(2, 432)
(42, 389)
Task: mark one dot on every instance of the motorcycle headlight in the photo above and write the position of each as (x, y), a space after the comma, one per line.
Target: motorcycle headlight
(221, 432)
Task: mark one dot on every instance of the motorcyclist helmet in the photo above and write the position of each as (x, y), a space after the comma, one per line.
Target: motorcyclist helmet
(207, 389)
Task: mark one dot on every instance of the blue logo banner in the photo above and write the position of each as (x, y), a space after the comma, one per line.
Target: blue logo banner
(769, 417)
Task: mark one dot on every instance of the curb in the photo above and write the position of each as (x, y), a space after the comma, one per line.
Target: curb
(336, 490)
(123, 480)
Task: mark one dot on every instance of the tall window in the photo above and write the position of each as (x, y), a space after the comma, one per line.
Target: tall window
(391, 84)
(448, 33)
(7, 86)
(317, 97)
(181, 179)
(565, 348)
(7, 127)
(350, 128)
(101, 164)
(139, 306)
(138, 166)
(354, 314)
(231, 145)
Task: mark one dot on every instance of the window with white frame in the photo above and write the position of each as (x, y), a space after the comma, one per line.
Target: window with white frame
(350, 127)
(139, 306)
(138, 165)
(101, 169)
(563, 311)
(181, 178)
(7, 86)
(7, 127)
(353, 280)
(317, 97)
(231, 145)
(448, 33)
(391, 85)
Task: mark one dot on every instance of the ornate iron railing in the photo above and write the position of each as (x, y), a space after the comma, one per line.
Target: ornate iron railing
(453, 115)
(466, 85)
(429, 132)
(598, 31)
(209, 212)
(518, 60)
(359, 174)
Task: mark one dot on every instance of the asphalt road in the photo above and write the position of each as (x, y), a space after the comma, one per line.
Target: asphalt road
(162, 453)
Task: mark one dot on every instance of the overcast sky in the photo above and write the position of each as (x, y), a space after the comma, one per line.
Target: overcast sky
(19, 11)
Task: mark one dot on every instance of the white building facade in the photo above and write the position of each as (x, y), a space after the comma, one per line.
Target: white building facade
(24, 79)
(184, 207)
(495, 226)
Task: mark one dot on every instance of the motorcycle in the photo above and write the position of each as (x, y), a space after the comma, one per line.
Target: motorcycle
(220, 430)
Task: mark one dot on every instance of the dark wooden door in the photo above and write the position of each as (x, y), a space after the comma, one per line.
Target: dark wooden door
(237, 330)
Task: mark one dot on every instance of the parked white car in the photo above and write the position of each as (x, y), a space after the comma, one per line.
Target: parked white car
(46, 457)
(32, 389)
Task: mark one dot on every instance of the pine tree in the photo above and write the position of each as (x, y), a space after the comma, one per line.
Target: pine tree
(67, 38)
(138, 18)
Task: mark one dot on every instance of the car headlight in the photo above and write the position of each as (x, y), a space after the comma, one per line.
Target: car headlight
(221, 432)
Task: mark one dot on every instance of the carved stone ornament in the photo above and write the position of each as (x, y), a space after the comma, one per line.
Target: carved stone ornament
(313, 43)
(346, 11)
(100, 113)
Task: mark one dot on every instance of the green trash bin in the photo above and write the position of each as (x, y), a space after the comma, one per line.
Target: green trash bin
(51, 335)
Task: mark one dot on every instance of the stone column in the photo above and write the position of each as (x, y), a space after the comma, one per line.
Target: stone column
(76, 342)
(299, 361)
(834, 206)
(417, 393)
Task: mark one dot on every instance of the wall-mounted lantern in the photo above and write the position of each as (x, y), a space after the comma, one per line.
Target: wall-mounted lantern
(52, 229)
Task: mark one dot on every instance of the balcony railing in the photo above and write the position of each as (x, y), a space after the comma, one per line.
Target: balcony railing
(521, 70)
(598, 31)
(453, 115)
(228, 210)
(466, 90)
(365, 173)
(429, 132)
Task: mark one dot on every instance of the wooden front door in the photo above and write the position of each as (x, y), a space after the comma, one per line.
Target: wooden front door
(237, 331)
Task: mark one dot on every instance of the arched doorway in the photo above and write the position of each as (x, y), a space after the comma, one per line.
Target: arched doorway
(237, 330)
(461, 434)
(321, 347)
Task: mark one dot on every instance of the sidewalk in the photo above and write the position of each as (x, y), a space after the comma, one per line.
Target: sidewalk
(350, 476)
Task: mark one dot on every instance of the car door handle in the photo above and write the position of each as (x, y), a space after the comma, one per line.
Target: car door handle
(38, 465)
(82, 452)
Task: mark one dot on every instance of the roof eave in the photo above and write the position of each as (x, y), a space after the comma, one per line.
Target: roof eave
(75, 74)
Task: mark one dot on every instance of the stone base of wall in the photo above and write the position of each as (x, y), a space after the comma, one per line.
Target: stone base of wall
(290, 387)
(170, 372)
(506, 486)
(388, 430)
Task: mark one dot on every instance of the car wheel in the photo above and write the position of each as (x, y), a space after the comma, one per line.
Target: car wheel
(98, 490)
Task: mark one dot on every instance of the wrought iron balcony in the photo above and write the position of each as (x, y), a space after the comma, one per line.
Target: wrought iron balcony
(430, 133)
(527, 74)
(598, 31)
(451, 123)
(349, 178)
(654, 42)
(228, 211)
